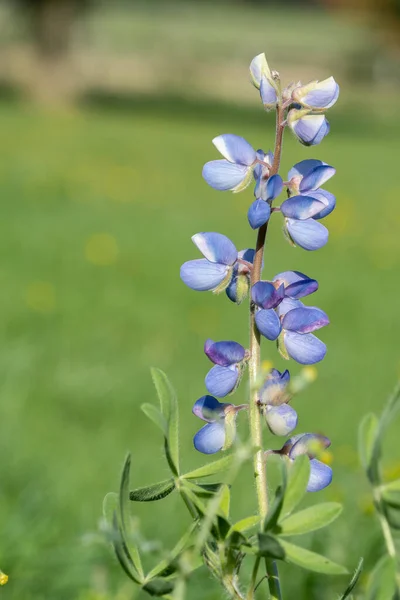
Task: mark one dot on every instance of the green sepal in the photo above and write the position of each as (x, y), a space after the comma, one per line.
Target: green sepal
(353, 580)
(298, 474)
(310, 519)
(280, 344)
(310, 560)
(211, 468)
(270, 547)
(169, 410)
(230, 428)
(150, 493)
(382, 582)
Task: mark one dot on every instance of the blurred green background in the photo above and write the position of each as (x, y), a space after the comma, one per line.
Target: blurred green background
(106, 118)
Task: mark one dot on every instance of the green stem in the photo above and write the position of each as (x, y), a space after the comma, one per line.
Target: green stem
(260, 474)
(387, 533)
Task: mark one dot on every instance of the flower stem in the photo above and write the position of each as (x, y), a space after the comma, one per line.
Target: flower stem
(254, 371)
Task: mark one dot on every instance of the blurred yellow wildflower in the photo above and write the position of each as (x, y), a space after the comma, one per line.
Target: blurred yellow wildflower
(3, 578)
(101, 249)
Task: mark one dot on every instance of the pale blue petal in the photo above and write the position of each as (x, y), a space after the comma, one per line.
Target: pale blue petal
(267, 93)
(304, 348)
(268, 324)
(216, 247)
(288, 304)
(304, 166)
(224, 353)
(316, 177)
(258, 213)
(311, 129)
(297, 285)
(265, 295)
(305, 319)
(209, 409)
(309, 234)
(235, 149)
(223, 175)
(211, 438)
(320, 476)
(202, 275)
(308, 443)
(326, 198)
(281, 420)
(221, 381)
(274, 187)
(301, 207)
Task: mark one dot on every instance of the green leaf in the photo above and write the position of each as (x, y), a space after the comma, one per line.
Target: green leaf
(211, 468)
(390, 493)
(274, 510)
(110, 504)
(125, 519)
(156, 491)
(153, 413)
(158, 587)
(169, 409)
(382, 582)
(310, 519)
(391, 486)
(353, 581)
(269, 546)
(225, 502)
(245, 524)
(310, 560)
(122, 553)
(298, 476)
(367, 445)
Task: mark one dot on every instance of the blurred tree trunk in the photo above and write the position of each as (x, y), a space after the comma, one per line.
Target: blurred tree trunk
(52, 22)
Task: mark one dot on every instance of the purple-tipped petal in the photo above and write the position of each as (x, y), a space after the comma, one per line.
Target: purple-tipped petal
(268, 324)
(327, 199)
(297, 285)
(304, 348)
(235, 149)
(216, 247)
(209, 409)
(288, 304)
(301, 207)
(202, 275)
(274, 187)
(316, 177)
(320, 476)
(265, 295)
(221, 381)
(303, 167)
(267, 93)
(311, 444)
(258, 214)
(308, 234)
(281, 420)
(210, 438)
(305, 319)
(223, 175)
(224, 353)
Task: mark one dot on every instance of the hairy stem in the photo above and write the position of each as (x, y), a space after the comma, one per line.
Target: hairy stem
(254, 370)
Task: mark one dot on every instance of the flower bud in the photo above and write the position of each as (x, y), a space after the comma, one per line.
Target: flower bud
(317, 94)
(281, 420)
(310, 129)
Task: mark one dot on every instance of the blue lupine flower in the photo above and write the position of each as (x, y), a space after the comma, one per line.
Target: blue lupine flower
(228, 358)
(296, 340)
(273, 390)
(215, 271)
(235, 171)
(317, 94)
(311, 444)
(280, 417)
(239, 285)
(259, 212)
(219, 416)
(306, 177)
(267, 297)
(263, 81)
(309, 128)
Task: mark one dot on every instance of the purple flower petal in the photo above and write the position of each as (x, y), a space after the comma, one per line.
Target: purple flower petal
(326, 198)
(305, 319)
(288, 304)
(310, 444)
(210, 438)
(304, 348)
(308, 234)
(281, 420)
(297, 285)
(265, 295)
(320, 476)
(216, 247)
(202, 275)
(274, 187)
(258, 214)
(224, 353)
(235, 149)
(316, 177)
(304, 166)
(209, 409)
(221, 381)
(223, 175)
(301, 207)
(267, 93)
(268, 324)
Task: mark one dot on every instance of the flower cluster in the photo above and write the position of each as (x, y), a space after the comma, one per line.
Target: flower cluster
(276, 305)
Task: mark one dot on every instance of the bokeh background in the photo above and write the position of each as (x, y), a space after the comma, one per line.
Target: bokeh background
(107, 111)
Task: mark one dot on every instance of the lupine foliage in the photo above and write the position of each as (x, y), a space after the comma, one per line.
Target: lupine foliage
(278, 314)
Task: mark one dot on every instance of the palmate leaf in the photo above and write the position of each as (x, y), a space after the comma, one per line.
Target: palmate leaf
(212, 468)
(297, 480)
(353, 581)
(382, 582)
(310, 519)
(169, 410)
(150, 493)
(310, 560)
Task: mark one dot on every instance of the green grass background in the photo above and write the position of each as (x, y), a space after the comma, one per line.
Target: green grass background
(98, 207)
